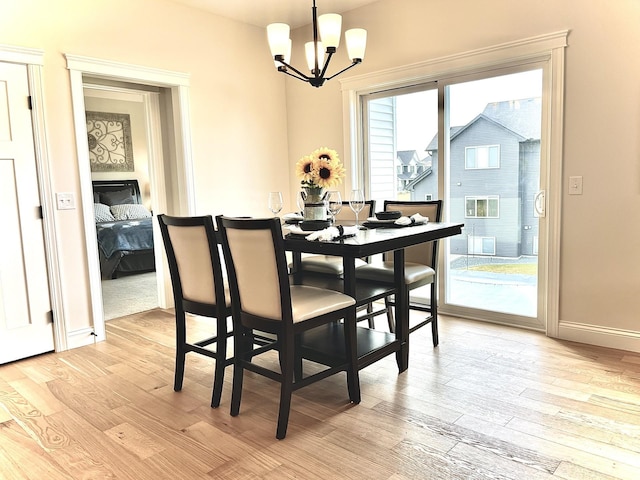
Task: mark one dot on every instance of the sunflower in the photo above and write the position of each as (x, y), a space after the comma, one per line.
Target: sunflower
(330, 173)
(305, 169)
(326, 154)
(321, 169)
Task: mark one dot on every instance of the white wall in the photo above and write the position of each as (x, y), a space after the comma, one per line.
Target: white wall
(238, 112)
(600, 254)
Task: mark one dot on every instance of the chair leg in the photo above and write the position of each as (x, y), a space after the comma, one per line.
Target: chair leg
(181, 338)
(287, 359)
(240, 354)
(372, 324)
(351, 348)
(221, 356)
(390, 320)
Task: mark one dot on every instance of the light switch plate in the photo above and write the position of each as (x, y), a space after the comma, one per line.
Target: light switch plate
(65, 201)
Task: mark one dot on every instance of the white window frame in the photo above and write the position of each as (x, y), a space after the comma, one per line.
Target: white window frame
(477, 149)
(472, 241)
(488, 198)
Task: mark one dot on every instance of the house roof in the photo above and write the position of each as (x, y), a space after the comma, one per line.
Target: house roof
(514, 115)
(406, 156)
(519, 116)
(425, 173)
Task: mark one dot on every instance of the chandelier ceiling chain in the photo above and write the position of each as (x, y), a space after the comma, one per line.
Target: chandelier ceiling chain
(326, 39)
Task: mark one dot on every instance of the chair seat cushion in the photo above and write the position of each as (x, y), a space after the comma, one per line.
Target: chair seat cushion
(383, 272)
(308, 302)
(327, 264)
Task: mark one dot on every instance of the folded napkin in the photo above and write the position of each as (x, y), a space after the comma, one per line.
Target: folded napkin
(415, 219)
(292, 216)
(332, 233)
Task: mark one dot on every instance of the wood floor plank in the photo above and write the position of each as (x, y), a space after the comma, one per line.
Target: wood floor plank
(491, 402)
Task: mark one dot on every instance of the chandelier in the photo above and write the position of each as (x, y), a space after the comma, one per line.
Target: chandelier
(326, 39)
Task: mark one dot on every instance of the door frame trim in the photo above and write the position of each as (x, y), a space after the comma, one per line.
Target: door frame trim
(181, 150)
(33, 59)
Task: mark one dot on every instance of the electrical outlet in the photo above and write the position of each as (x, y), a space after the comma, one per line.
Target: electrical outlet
(575, 185)
(65, 201)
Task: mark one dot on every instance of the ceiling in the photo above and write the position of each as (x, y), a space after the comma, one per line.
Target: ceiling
(262, 12)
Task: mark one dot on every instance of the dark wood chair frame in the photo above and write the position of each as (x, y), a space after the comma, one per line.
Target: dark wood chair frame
(432, 309)
(219, 311)
(287, 332)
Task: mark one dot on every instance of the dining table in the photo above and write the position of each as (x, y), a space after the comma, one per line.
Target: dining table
(372, 344)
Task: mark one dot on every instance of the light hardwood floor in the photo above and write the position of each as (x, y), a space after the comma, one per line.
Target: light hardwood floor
(490, 402)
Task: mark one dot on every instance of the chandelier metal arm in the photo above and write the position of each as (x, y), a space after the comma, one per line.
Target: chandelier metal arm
(356, 61)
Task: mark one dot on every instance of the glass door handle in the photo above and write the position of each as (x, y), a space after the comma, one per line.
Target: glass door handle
(539, 204)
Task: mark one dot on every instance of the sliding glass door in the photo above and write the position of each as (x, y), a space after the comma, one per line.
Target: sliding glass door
(485, 165)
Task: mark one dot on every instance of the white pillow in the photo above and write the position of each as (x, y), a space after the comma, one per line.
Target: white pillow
(102, 213)
(129, 211)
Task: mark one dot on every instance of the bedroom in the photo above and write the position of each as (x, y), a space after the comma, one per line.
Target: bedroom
(127, 263)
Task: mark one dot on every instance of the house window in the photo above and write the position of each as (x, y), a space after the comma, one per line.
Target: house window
(481, 245)
(486, 156)
(481, 207)
(428, 197)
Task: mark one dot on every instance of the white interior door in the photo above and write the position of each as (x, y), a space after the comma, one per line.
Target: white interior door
(26, 327)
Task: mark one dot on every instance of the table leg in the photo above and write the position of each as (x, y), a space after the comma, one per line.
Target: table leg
(401, 310)
(297, 270)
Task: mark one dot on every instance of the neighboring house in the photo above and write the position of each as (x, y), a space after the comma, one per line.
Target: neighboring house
(496, 207)
(408, 167)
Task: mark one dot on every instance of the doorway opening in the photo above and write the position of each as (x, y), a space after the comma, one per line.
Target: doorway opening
(170, 180)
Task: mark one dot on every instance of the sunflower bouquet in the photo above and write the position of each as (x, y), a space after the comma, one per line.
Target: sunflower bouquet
(321, 169)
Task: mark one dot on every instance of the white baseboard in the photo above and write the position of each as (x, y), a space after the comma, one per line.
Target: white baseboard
(81, 338)
(601, 336)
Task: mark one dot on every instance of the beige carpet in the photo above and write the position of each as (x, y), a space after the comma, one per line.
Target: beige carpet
(130, 294)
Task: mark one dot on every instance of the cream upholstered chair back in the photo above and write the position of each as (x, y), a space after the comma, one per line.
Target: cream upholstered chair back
(424, 253)
(191, 250)
(254, 260)
(194, 261)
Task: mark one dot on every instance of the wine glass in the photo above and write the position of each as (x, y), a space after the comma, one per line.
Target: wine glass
(356, 202)
(334, 204)
(275, 202)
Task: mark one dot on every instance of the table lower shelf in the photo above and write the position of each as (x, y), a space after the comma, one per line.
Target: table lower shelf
(325, 345)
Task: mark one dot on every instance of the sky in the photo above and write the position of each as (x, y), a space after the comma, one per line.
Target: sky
(418, 112)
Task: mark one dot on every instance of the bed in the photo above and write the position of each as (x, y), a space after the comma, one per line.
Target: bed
(124, 228)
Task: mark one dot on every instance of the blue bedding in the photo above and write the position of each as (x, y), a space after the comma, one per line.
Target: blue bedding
(125, 236)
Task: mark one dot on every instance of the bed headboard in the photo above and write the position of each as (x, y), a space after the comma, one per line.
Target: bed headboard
(112, 186)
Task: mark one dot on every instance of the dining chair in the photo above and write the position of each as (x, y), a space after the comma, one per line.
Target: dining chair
(198, 289)
(420, 265)
(263, 299)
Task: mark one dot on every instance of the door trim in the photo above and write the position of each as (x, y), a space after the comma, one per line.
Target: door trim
(34, 61)
(181, 151)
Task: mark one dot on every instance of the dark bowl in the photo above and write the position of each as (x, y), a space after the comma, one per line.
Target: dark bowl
(391, 215)
(313, 225)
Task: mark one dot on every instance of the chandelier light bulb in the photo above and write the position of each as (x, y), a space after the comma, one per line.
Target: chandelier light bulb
(330, 27)
(356, 40)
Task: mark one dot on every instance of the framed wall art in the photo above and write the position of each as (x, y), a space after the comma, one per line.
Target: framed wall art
(110, 147)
